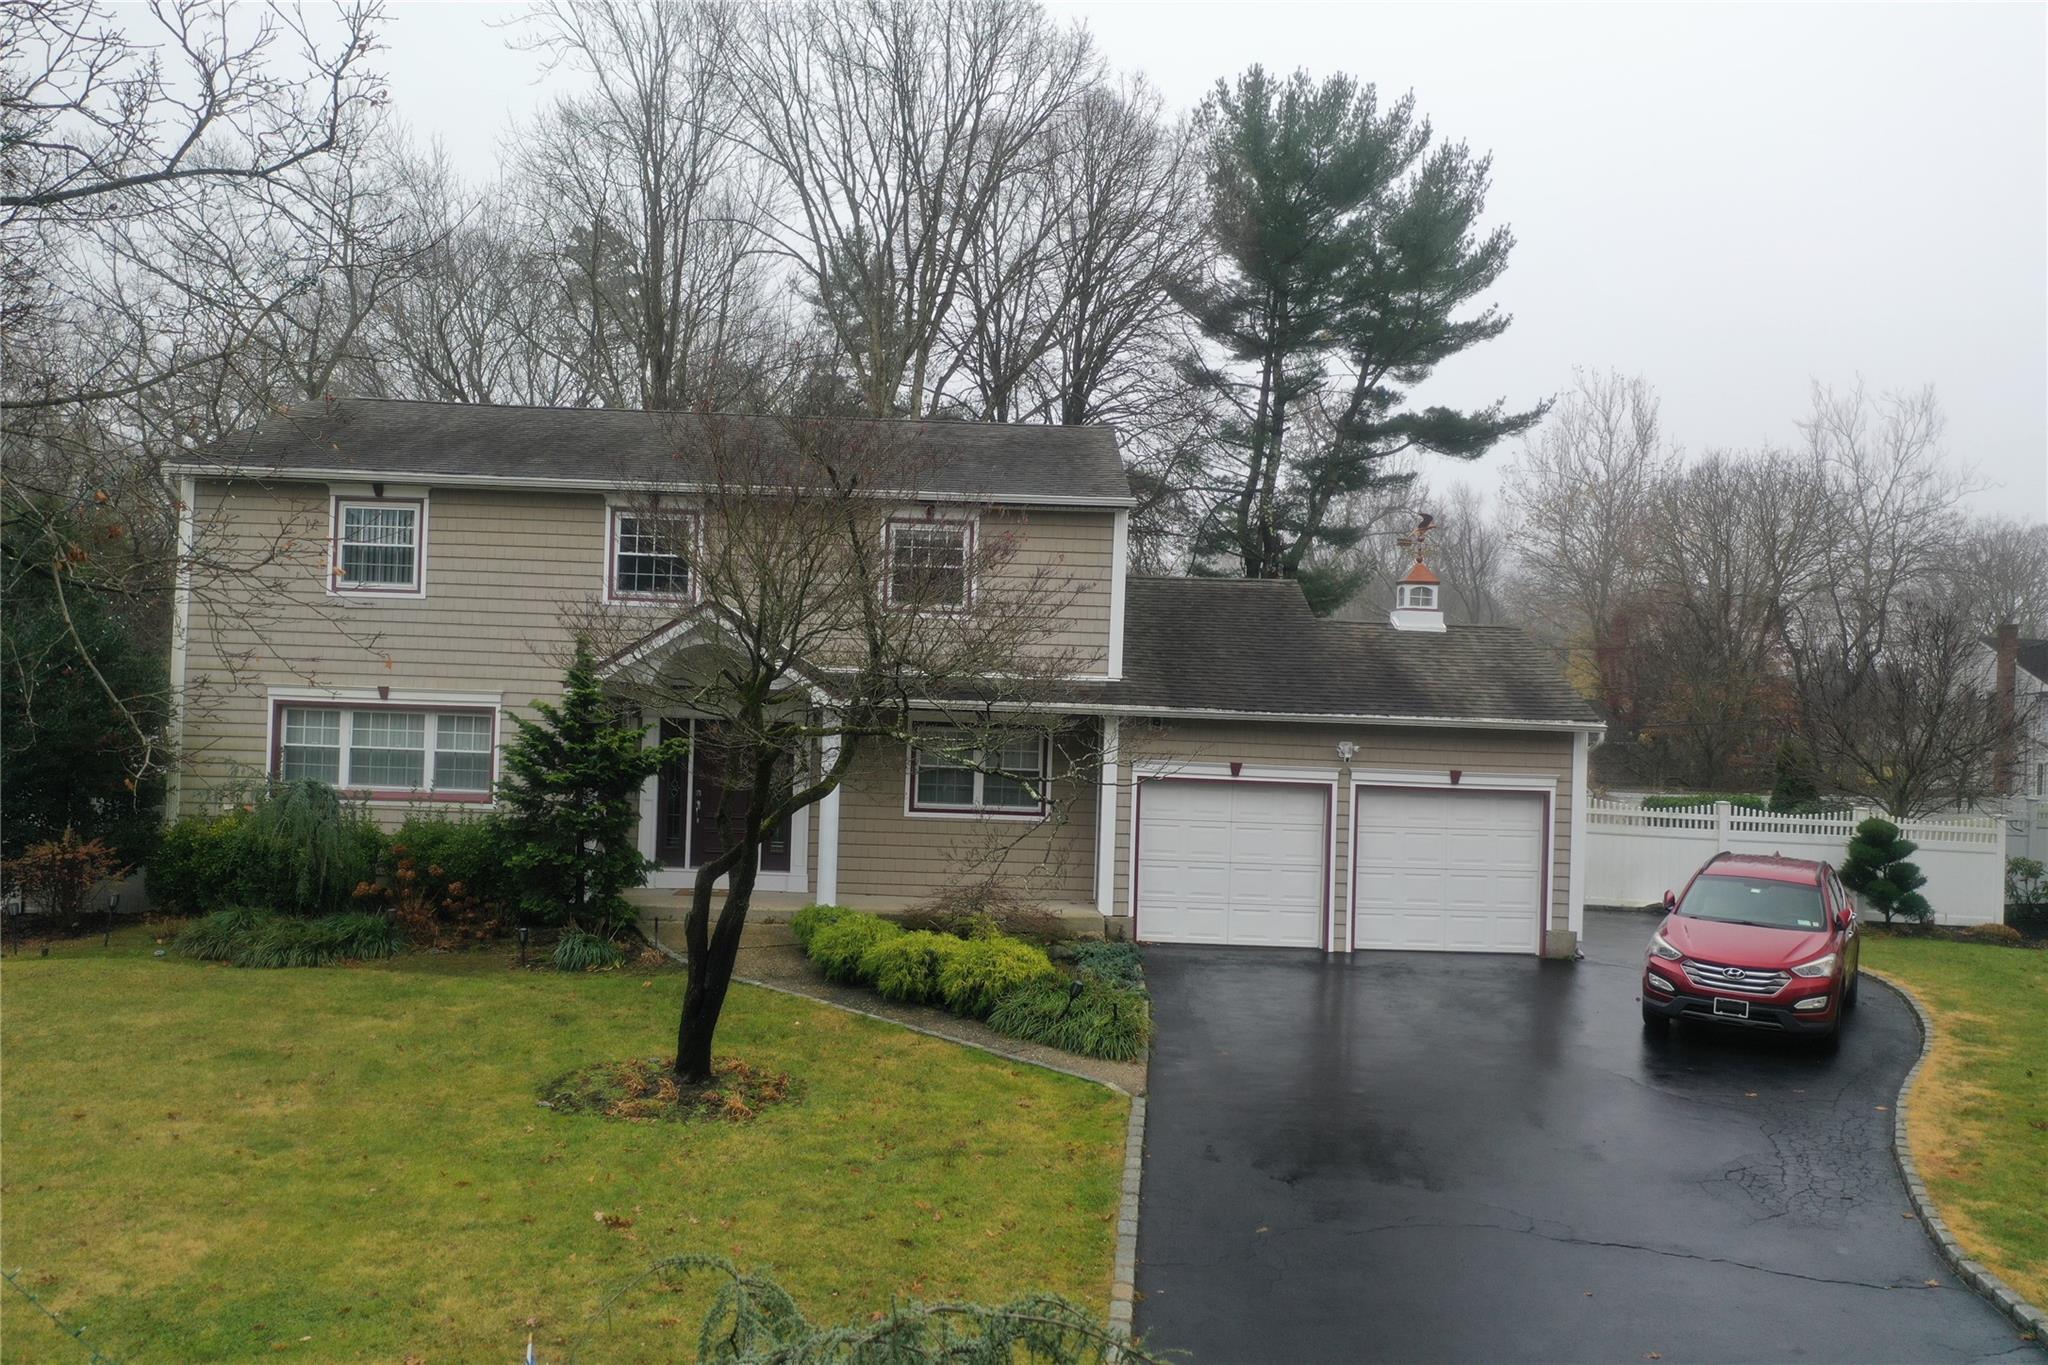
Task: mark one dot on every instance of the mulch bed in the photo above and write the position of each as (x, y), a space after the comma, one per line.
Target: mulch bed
(644, 1090)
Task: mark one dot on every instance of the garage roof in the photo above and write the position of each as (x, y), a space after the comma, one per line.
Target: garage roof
(1215, 644)
(398, 439)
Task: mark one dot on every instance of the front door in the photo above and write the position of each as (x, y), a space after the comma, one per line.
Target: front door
(698, 809)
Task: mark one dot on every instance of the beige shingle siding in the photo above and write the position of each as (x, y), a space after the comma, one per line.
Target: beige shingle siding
(1420, 749)
(885, 851)
(500, 566)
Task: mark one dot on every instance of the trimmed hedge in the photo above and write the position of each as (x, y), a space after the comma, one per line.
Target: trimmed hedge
(301, 850)
(906, 966)
(809, 920)
(984, 970)
(839, 946)
(1087, 1015)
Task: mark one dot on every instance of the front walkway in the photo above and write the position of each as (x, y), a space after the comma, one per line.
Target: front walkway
(1433, 1157)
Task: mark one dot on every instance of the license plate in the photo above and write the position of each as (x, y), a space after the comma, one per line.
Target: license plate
(1734, 1009)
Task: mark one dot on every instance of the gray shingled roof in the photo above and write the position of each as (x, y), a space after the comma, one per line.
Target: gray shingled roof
(2033, 657)
(1012, 462)
(1236, 645)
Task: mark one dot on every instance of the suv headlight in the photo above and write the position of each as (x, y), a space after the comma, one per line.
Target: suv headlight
(1820, 966)
(1661, 947)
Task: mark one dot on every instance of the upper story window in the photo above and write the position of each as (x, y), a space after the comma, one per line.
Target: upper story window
(389, 751)
(650, 558)
(1418, 596)
(379, 547)
(950, 774)
(928, 564)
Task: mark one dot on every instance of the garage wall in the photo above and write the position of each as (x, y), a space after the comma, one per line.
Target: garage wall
(1426, 751)
(886, 852)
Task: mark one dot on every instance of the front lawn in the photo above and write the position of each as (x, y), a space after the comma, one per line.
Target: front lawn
(1979, 1121)
(207, 1162)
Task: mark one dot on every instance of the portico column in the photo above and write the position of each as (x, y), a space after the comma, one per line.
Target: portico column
(1105, 822)
(828, 826)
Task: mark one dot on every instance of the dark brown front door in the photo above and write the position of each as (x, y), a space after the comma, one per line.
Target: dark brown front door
(697, 805)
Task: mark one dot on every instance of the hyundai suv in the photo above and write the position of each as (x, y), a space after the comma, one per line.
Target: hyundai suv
(1762, 942)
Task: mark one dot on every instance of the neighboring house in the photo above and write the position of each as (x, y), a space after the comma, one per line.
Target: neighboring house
(2019, 672)
(1265, 777)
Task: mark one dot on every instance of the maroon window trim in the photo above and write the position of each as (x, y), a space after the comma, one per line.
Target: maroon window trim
(968, 531)
(1329, 925)
(1018, 812)
(335, 582)
(406, 794)
(612, 591)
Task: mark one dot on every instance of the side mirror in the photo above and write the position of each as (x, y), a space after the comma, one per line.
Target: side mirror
(1670, 901)
(1844, 916)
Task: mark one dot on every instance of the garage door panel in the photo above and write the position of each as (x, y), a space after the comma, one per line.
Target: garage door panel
(1443, 870)
(1232, 862)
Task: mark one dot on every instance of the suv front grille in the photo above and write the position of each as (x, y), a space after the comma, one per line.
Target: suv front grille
(1745, 980)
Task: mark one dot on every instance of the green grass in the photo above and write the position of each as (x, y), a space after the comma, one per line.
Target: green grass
(204, 1162)
(1979, 1121)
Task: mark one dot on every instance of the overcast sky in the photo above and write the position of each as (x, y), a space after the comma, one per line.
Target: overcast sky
(1732, 200)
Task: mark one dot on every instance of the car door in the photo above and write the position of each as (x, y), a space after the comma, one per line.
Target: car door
(1851, 941)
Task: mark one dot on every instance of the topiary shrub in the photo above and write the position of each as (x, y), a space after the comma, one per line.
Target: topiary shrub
(839, 947)
(985, 970)
(906, 966)
(1087, 1015)
(577, 951)
(1876, 869)
(1116, 963)
(1740, 800)
(812, 918)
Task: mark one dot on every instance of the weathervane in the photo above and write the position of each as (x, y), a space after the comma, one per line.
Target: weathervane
(1415, 540)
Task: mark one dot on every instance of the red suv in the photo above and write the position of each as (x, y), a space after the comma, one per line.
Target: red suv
(1766, 942)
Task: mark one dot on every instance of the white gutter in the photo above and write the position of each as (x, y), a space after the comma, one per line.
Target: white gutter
(1119, 570)
(181, 625)
(1083, 708)
(263, 474)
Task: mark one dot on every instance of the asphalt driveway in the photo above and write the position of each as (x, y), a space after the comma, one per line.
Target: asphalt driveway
(1422, 1157)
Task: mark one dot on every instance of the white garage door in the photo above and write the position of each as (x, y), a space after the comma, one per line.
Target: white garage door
(1450, 871)
(1232, 862)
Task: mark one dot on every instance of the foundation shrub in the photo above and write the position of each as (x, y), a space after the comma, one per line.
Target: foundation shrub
(1087, 1015)
(983, 971)
(840, 948)
(812, 918)
(906, 966)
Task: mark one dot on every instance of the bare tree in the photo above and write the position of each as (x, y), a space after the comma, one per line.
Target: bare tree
(648, 202)
(1997, 574)
(1893, 515)
(809, 645)
(894, 128)
(1909, 724)
(1736, 543)
(1580, 492)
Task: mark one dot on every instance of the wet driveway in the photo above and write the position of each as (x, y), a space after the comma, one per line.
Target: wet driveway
(1423, 1157)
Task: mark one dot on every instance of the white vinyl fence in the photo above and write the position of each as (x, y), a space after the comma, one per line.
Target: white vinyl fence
(1635, 855)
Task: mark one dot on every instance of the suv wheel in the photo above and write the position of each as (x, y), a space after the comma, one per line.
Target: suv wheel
(1849, 996)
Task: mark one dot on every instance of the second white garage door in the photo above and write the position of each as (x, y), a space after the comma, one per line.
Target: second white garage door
(1232, 862)
(1449, 871)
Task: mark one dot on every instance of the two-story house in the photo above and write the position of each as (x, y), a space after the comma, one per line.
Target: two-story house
(1263, 776)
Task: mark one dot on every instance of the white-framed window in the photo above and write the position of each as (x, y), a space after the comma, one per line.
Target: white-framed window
(404, 752)
(649, 557)
(928, 569)
(1419, 596)
(379, 546)
(950, 774)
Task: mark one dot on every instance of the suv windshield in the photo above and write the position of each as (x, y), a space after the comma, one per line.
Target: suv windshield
(1755, 900)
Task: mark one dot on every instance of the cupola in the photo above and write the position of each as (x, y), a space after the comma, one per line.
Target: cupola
(1418, 599)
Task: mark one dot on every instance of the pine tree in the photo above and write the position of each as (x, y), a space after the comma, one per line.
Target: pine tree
(1346, 243)
(568, 793)
(1877, 870)
(1797, 786)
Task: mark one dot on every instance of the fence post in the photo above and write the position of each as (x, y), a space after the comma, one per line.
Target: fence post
(1721, 809)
